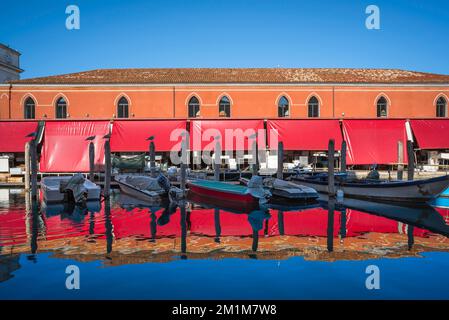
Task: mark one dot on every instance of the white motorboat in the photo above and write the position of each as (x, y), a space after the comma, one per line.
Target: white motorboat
(69, 188)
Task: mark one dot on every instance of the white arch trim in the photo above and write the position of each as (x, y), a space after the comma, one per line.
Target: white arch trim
(224, 94)
(193, 94)
(316, 95)
(26, 96)
(119, 96)
(439, 96)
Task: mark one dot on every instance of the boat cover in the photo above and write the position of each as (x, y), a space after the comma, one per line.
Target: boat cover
(374, 141)
(76, 185)
(431, 134)
(13, 135)
(131, 135)
(65, 148)
(307, 135)
(203, 133)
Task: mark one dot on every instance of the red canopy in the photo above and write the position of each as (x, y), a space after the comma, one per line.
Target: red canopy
(234, 134)
(305, 135)
(130, 136)
(13, 135)
(431, 134)
(65, 148)
(374, 141)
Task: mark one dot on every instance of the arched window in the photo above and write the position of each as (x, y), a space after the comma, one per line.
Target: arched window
(122, 108)
(224, 107)
(194, 107)
(283, 110)
(29, 108)
(382, 107)
(61, 108)
(441, 107)
(314, 107)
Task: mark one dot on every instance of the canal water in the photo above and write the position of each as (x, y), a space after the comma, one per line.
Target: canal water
(123, 249)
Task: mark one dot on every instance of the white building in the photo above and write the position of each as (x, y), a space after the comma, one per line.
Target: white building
(9, 64)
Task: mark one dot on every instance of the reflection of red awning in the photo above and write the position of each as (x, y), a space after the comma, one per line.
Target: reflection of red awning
(374, 141)
(130, 136)
(65, 148)
(431, 134)
(13, 135)
(202, 134)
(305, 135)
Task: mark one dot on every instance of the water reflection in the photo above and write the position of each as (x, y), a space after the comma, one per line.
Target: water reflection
(125, 230)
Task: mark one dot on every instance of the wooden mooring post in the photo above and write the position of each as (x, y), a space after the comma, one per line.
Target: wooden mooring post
(33, 159)
(107, 168)
(400, 174)
(331, 169)
(152, 150)
(183, 163)
(343, 157)
(217, 159)
(91, 158)
(410, 160)
(255, 158)
(280, 169)
(27, 166)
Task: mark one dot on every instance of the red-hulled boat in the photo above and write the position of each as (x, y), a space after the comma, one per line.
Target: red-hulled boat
(222, 191)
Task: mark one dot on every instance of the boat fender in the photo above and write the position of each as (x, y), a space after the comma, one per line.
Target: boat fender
(340, 195)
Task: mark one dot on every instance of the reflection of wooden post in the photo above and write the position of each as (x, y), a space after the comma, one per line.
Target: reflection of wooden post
(410, 237)
(107, 169)
(331, 153)
(330, 225)
(281, 222)
(108, 226)
(27, 166)
(183, 229)
(343, 224)
(217, 225)
(91, 161)
(33, 169)
(411, 160)
(343, 157)
(400, 175)
(280, 171)
(217, 159)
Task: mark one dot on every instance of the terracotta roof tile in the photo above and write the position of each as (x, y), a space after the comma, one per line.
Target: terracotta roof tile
(248, 75)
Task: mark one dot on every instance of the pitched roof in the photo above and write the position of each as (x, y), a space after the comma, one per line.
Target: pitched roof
(236, 75)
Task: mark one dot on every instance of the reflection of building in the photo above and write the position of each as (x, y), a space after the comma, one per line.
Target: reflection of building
(9, 64)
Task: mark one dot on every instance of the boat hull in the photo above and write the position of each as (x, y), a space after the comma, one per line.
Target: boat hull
(51, 193)
(139, 194)
(398, 191)
(221, 195)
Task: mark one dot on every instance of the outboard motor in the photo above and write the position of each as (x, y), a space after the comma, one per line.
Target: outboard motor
(163, 182)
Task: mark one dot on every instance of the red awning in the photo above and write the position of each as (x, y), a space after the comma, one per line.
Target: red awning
(307, 135)
(130, 136)
(431, 134)
(233, 134)
(65, 148)
(374, 141)
(13, 135)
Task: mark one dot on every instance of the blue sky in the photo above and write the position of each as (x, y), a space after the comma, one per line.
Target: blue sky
(414, 34)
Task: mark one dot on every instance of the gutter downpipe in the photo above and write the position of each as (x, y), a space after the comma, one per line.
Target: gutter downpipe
(9, 101)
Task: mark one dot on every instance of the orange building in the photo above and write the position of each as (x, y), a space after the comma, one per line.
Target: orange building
(234, 93)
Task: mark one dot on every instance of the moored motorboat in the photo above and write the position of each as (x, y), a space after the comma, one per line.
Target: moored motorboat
(397, 191)
(227, 191)
(286, 190)
(69, 188)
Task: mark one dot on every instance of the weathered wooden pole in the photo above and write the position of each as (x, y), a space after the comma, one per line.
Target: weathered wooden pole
(217, 159)
(152, 150)
(400, 174)
(27, 166)
(331, 178)
(280, 170)
(343, 156)
(107, 168)
(33, 149)
(183, 163)
(330, 225)
(255, 160)
(91, 161)
(411, 160)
